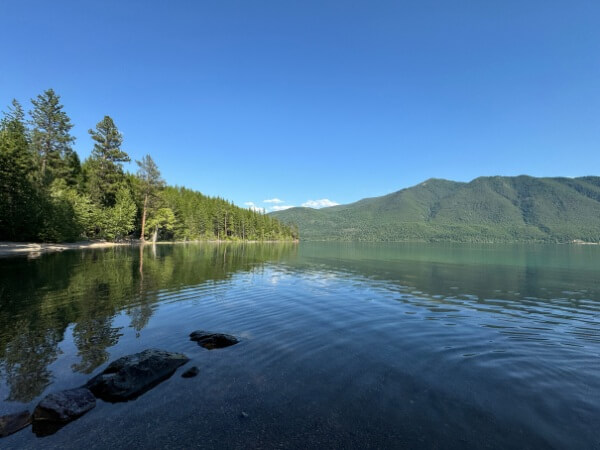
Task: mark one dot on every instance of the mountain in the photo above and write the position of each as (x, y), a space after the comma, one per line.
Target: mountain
(487, 209)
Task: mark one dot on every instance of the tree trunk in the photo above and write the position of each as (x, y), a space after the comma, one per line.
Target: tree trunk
(144, 218)
(141, 266)
(155, 235)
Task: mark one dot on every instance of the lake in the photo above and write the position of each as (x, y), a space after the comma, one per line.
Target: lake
(342, 345)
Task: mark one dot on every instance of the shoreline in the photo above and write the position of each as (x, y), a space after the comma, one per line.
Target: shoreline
(37, 248)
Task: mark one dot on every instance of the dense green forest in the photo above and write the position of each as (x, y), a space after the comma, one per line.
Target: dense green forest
(48, 194)
(487, 209)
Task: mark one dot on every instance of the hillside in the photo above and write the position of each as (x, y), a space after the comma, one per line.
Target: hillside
(487, 209)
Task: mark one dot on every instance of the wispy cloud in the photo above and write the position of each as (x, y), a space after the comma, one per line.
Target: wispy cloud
(275, 200)
(275, 204)
(281, 207)
(322, 203)
(254, 207)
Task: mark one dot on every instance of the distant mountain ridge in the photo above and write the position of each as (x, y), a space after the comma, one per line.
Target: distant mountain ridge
(486, 209)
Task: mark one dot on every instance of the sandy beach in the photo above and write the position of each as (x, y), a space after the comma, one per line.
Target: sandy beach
(30, 248)
(35, 249)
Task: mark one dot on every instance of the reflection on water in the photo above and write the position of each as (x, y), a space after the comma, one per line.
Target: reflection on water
(343, 345)
(547, 285)
(40, 298)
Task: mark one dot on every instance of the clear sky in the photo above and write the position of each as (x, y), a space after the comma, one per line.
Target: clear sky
(310, 100)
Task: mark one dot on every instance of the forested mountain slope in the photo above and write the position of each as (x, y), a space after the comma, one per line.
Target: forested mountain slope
(487, 209)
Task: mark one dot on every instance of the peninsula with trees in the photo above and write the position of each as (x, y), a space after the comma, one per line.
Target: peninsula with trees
(48, 195)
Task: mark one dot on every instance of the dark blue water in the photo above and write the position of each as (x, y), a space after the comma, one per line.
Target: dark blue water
(343, 345)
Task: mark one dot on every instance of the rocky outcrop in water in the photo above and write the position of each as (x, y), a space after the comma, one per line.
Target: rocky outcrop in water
(211, 341)
(60, 408)
(12, 423)
(130, 376)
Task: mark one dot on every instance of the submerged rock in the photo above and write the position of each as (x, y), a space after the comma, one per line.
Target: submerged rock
(130, 376)
(211, 341)
(12, 423)
(191, 372)
(60, 408)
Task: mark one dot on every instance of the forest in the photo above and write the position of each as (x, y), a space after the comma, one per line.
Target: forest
(48, 195)
(486, 209)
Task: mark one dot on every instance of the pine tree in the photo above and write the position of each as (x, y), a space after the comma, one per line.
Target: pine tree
(19, 201)
(50, 135)
(105, 171)
(151, 181)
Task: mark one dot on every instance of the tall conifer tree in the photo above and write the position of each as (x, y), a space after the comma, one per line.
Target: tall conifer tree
(151, 182)
(105, 164)
(50, 136)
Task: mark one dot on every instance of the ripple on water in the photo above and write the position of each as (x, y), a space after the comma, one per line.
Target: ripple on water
(335, 350)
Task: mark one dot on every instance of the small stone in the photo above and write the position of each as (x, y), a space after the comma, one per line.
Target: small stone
(244, 415)
(12, 423)
(211, 341)
(191, 372)
(60, 408)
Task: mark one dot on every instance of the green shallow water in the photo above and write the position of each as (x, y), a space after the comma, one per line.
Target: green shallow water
(343, 345)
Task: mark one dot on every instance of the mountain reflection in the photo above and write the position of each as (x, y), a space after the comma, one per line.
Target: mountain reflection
(41, 299)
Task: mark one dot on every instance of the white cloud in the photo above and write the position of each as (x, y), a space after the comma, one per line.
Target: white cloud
(274, 200)
(254, 207)
(281, 207)
(323, 203)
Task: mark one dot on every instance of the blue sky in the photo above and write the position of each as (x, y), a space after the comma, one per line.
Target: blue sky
(309, 100)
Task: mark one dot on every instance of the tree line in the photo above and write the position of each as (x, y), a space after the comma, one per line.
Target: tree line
(47, 193)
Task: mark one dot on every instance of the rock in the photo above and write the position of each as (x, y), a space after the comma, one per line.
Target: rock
(244, 415)
(60, 408)
(12, 423)
(64, 406)
(130, 376)
(191, 372)
(211, 341)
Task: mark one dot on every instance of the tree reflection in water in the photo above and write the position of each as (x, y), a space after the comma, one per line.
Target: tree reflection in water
(41, 298)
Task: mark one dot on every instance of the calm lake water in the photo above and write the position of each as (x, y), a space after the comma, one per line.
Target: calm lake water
(343, 345)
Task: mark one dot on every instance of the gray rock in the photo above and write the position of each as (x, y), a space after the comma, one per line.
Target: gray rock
(210, 341)
(12, 423)
(191, 372)
(130, 376)
(60, 408)
(64, 406)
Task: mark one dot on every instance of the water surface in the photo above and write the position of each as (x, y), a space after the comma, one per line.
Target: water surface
(343, 345)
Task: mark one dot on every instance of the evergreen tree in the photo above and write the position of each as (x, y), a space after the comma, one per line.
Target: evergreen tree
(19, 202)
(46, 194)
(50, 135)
(151, 182)
(70, 171)
(105, 171)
